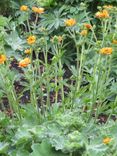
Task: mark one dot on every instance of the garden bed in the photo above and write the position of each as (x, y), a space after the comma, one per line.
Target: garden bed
(58, 78)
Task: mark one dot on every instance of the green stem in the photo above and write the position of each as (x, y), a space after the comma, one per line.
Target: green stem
(70, 154)
(94, 86)
(32, 80)
(39, 76)
(58, 51)
(48, 80)
(56, 81)
(77, 66)
(28, 24)
(109, 68)
(80, 69)
(61, 79)
(113, 107)
(11, 95)
(36, 19)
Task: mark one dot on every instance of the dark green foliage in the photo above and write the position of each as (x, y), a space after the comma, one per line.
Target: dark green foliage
(4, 6)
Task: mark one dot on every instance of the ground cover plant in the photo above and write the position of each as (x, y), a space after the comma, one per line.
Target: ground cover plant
(58, 79)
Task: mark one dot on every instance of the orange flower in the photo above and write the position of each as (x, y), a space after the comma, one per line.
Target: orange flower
(88, 26)
(38, 10)
(84, 32)
(23, 8)
(102, 14)
(114, 41)
(34, 9)
(31, 39)
(107, 140)
(24, 63)
(106, 51)
(28, 51)
(2, 58)
(70, 22)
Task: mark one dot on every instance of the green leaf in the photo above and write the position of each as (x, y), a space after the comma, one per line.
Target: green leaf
(19, 152)
(3, 147)
(22, 153)
(10, 52)
(44, 149)
(53, 20)
(14, 41)
(45, 3)
(96, 149)
(3, 21)
(22, 136)
(3, 120)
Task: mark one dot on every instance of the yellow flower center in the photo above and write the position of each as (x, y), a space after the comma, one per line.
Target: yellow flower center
(25, 62)
(24, 8)
(38, 10)
(2, 58)
(70, 22)
(107, 140)
(31, 40)
(106, 51)
(102, 14)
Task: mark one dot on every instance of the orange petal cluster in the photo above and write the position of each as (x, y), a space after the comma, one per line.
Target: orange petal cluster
(107, 140)
(70, 22)
(2, 58)
(102, 14)
(24, 8)
(31, 40)
(25, 62)
(38, 10)
(106, 51)
(88, 26)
